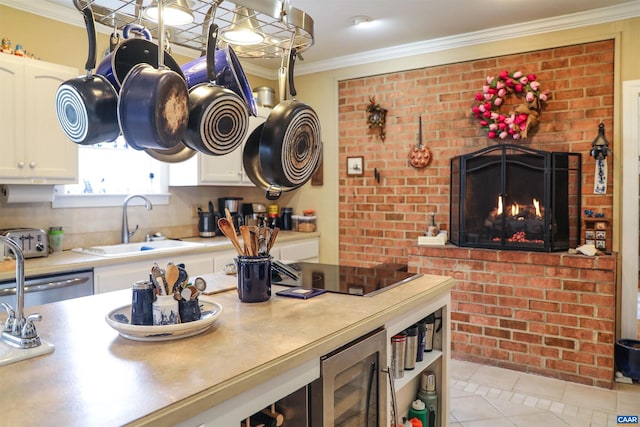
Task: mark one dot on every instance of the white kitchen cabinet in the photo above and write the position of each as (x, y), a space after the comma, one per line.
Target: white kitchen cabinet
(121, 276)
(34, 148)
(204, 169)
(307, 250)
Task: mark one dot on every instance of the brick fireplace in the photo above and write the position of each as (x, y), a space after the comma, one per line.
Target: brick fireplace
(551, 314)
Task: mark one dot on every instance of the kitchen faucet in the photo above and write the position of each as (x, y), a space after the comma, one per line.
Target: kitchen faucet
(18, 331)
(125, 223)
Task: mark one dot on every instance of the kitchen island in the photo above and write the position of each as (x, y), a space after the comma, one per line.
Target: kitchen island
(96, 377)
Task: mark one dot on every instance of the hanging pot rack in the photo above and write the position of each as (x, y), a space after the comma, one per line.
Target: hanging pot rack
(283, 26)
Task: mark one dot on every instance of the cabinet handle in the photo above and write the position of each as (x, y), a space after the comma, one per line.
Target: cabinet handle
(20, 165)
(32, 165)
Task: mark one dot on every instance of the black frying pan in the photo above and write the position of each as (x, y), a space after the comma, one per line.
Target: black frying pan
(218, 117)
(290, 143)
(252, 166)
(87, 106)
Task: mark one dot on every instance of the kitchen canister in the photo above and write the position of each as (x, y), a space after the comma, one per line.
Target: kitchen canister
(189, 310)
(55, 235)
(165, 310)
(254, 278)
(143, 294)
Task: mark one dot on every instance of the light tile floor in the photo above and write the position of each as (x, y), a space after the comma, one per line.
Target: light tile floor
(483, 396)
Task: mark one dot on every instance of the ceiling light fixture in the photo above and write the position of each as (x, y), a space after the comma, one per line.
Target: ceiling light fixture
(176, 12)
(361, 19)
(244, 29)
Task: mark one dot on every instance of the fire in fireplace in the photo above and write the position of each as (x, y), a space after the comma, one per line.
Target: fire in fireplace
(518, 198)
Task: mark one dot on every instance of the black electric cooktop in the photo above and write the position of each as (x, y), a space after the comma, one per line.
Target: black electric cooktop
(342, 279)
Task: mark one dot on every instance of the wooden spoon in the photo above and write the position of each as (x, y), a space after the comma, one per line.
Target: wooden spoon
(246, 238)
(272, 239)
(171, 276)
(228, 230)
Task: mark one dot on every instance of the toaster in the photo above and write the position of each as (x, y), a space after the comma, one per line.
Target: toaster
(33, 241)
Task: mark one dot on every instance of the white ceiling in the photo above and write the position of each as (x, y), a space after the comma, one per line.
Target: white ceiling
(408, 21)
(402, 25)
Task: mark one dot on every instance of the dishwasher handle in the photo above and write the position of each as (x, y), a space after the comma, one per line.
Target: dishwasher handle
(46, 286)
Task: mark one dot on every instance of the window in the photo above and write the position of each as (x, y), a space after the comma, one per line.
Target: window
(111, 170)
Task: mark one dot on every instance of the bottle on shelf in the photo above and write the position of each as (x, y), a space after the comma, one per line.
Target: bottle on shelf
(418, 410)
(411, 348)
(430, 323)
(429, 396)
(422, 328)
(398, 344)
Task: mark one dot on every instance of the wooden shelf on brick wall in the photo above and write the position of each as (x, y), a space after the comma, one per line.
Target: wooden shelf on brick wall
(596, 231)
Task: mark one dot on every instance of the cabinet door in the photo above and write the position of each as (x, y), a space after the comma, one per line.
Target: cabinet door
(225, 169)
(222, 258)
(303, 250)
(34, 148)
(49, 155)
(11, 110)
(121, 276)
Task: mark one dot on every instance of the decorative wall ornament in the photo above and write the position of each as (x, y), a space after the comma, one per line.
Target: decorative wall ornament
(519, 120)
(376, 117)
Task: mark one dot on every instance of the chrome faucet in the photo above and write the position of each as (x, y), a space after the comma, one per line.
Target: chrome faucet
(19, 331)
(125, 223)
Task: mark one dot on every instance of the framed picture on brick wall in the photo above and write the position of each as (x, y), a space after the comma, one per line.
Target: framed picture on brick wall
(355, 166)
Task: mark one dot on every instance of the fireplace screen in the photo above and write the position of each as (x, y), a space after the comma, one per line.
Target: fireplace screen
(517, 198)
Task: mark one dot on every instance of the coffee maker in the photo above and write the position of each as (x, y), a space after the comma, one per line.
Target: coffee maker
(208, 222)
(254, 214)
(233, 204)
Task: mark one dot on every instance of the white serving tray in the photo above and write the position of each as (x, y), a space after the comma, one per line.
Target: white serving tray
(120, 318)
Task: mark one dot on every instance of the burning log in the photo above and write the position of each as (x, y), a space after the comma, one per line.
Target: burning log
(525, 224)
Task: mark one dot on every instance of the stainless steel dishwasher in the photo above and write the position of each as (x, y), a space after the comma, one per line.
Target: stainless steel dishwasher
(51, 288)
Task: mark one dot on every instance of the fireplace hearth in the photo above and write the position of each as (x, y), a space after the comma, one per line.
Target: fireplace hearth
(516, 198)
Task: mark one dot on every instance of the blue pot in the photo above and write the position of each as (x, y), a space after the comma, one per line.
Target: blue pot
(117, 64)
(86, 106)
(153, 109)
(228, 74)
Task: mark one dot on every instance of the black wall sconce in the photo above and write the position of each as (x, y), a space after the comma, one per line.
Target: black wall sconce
(600, 146)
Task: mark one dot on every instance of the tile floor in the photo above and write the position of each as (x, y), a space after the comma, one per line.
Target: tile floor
(483, 396)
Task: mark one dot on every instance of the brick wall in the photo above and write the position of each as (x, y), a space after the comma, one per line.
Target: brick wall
(380, 221)
(549, 314)
(552, 314)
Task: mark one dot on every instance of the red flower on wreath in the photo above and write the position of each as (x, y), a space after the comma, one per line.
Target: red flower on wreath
(516, 123)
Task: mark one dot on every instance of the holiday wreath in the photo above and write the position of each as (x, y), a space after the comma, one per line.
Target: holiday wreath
(521, 118)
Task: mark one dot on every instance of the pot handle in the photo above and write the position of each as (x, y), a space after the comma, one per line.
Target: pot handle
(212, 40)
(273, 192)
(292, 62)
(136, 28)
(87, 14)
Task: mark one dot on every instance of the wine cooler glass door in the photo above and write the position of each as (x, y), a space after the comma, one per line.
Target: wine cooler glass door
(351, 390)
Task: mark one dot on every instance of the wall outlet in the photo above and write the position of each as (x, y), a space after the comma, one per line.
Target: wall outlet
(194, 211)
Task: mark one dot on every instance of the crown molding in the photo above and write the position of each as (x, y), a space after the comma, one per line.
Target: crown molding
(559, 23)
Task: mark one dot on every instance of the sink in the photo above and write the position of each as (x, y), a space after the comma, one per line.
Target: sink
(129, 249)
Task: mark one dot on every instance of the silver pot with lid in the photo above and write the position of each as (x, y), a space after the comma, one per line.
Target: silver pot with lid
(265, 96)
